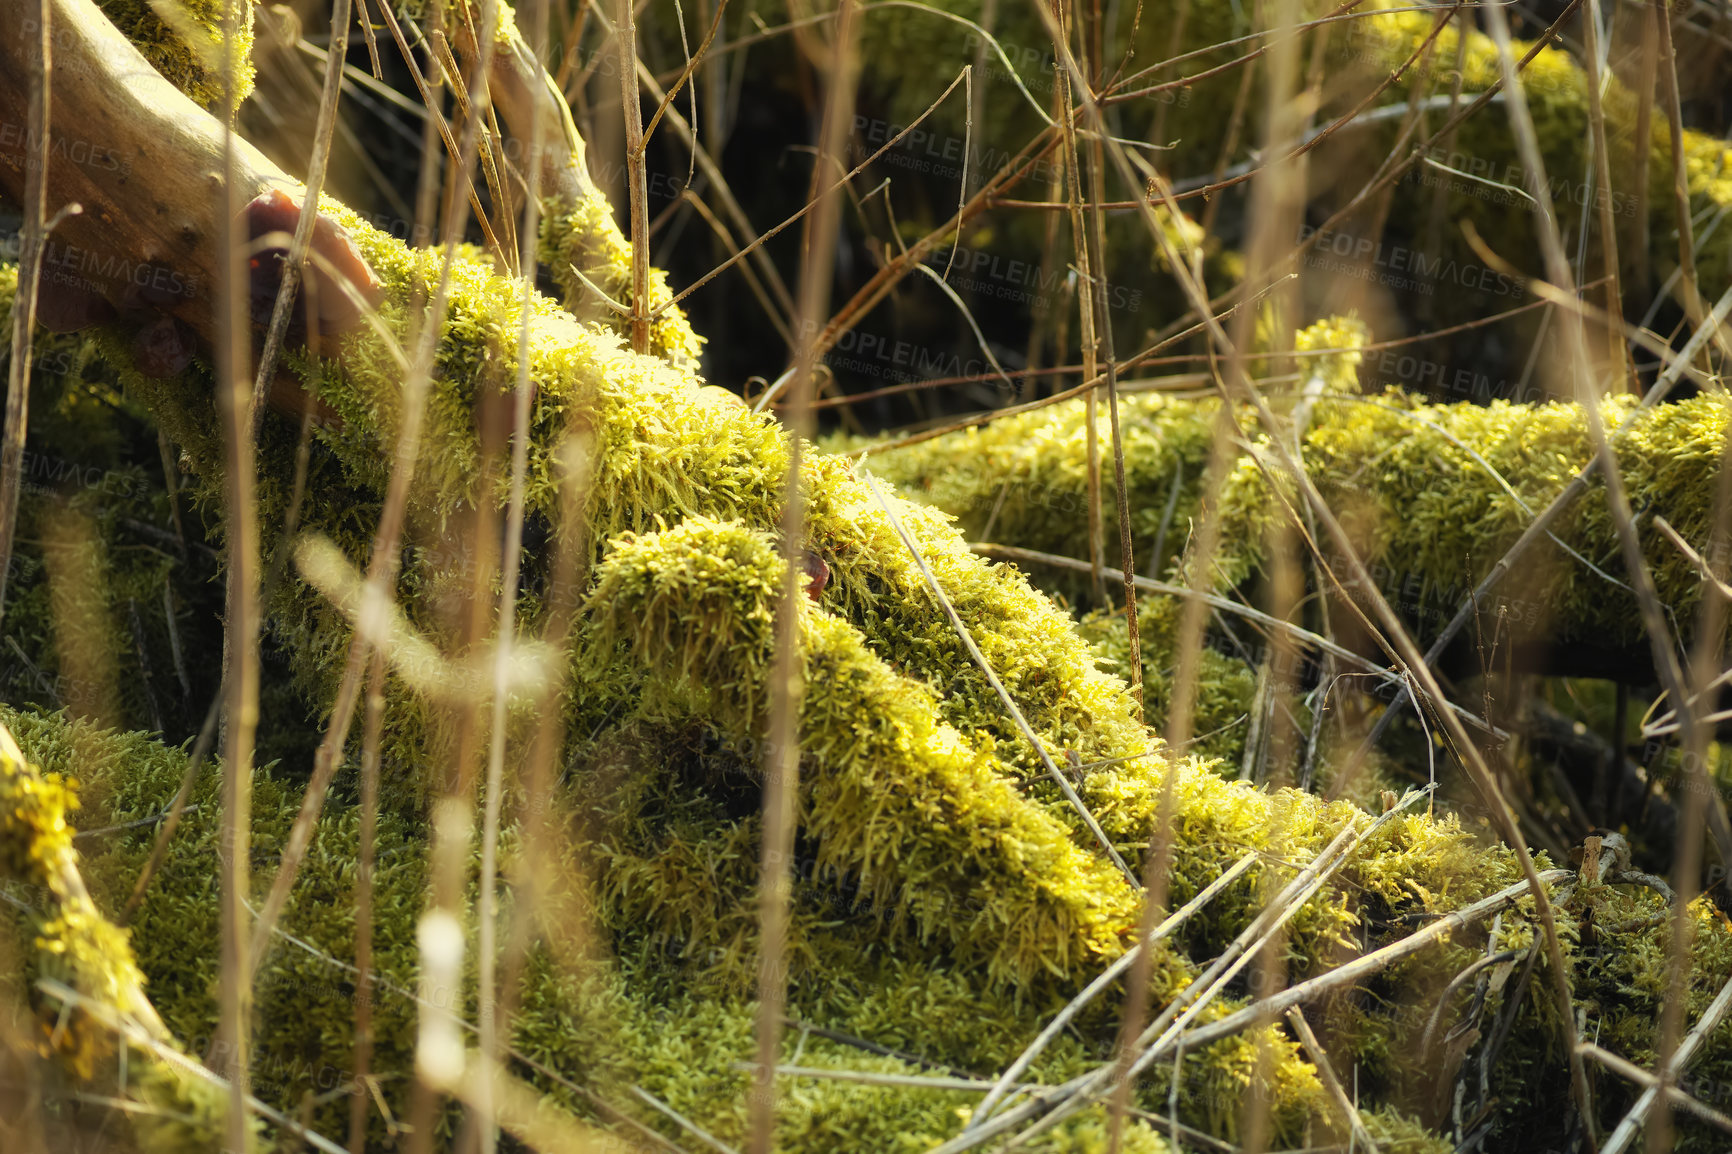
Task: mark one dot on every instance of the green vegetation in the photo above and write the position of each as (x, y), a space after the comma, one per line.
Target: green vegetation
(948, 899)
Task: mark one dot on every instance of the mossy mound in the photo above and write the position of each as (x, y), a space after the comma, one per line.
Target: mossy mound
(642, 1019)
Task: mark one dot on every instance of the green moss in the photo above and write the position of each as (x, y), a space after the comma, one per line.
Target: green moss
(1008, 891)
(583, 239)
(87, 510)
(183, 40)
(1398, 1134)
(579, 1019)
(1432, 494)
(1226, 685)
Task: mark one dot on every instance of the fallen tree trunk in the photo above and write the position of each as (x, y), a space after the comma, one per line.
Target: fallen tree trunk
(1436, 494)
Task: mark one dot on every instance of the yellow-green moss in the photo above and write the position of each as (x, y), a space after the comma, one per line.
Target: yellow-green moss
(1226, 685)
(580, 1019)
(584, 238)
(1432, 493)
(187, 48)
(73, 944)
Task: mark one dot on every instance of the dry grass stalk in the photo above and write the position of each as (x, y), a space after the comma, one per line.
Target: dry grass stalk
(1087, 315)
(1058, 777)
(1276, 625)
(1331, 1081)
(242, 618)
(505, 626)
(782, 755)
(1130, 166)
(35, 233)
(1674, 1096)
(811, 328)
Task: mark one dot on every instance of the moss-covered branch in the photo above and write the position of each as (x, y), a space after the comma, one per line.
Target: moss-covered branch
(77, 947)
(582, 248)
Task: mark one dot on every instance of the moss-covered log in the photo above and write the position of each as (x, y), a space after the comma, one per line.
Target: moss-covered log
(1434, 494)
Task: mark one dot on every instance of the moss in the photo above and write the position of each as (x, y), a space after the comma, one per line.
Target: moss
(581, 1020)
(1433, 495)
(76, 946)
(183, 40)
(1006, 892)
(1226, 685)
(583, 238)
(1398, 1134)
(942, 877)
(914, 998)
(175, 932)
(99, 640)
(1442, 534)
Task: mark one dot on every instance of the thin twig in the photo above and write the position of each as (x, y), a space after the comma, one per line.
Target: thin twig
(1030, 406)
(1388, 173)
(758, 241)
(692, 63)
(684, 1122)
(1052, 770)
(242, 618)
(29, 278)
(625, 36)
(1086, 316)
(1093, 1083)
(291, 265)
(1331, 1083)
(371, 725)
(1135, 170)
(177, 807)
(506, 623)
(1603, 177)
(1691, 295)
(1540, 526)
(1647, 1081)
(129, 1030)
